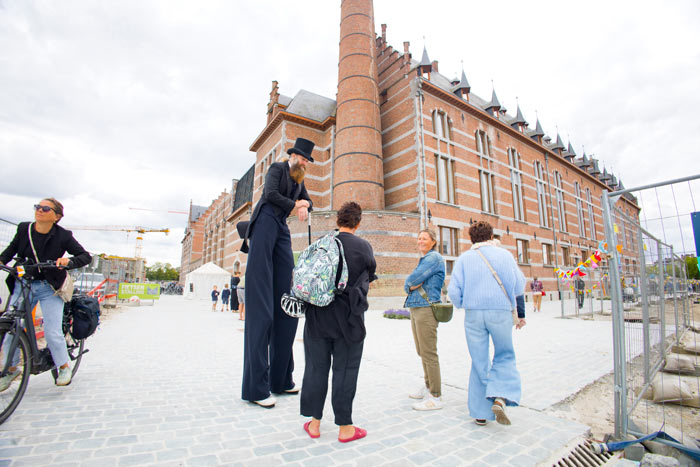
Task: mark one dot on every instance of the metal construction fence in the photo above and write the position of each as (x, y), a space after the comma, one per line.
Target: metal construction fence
(651, 301)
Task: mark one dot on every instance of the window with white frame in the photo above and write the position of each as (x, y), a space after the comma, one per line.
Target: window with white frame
(547, 258)
(541, 185)
(516, 183)
(444, 167)
(591, 219)
(448, 245)
(486, 172)
(561, 207)
(522, 247)
(441, 125)
(579, 210)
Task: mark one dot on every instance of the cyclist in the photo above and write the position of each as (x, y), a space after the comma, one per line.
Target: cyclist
(50, 242)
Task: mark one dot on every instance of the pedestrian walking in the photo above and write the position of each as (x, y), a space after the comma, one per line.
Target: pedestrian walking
(537, 289)
(214, 298)
(38, 241)
(240, 292)
(485, 282)
(580, 291)
(225, 294)
(268, 360)
(235, 280)
(426, 281)
(334, 335)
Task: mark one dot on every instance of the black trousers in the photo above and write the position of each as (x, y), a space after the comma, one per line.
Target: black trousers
(580, 297)
(346, 366)
(268, 361)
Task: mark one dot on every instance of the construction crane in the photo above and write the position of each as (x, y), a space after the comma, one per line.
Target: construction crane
(123, 228)
(169, 211)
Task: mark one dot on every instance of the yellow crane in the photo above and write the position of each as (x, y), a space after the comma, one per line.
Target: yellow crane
(123, 228)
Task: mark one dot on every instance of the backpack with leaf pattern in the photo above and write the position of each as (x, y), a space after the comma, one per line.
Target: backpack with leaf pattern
(314, 277)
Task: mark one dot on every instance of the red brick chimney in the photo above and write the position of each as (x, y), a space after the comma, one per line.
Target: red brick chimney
(358, 167)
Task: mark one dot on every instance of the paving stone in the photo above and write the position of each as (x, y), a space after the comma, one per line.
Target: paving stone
(165, 417)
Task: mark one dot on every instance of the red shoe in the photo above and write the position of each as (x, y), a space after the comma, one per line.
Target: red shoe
(306, 429)
(359, 434)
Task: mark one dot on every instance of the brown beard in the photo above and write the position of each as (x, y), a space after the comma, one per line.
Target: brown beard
(297, 172)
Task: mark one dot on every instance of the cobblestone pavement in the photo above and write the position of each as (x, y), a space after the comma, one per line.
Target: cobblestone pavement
(161, 386)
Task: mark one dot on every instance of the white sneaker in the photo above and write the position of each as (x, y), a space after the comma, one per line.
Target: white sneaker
(64, 376)
(6, 380)
(499, 410)
(429, 403)
(267, 403)
(420, 394)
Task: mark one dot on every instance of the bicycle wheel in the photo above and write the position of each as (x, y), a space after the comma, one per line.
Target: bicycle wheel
(75, 354)
(11, 397)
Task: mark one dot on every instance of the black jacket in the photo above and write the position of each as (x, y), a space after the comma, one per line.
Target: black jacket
(58, 241)
(278, 193)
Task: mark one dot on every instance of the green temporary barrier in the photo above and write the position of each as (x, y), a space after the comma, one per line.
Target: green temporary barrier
(142, 291)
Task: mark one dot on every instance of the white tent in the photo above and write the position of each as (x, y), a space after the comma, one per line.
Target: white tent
(200, 282)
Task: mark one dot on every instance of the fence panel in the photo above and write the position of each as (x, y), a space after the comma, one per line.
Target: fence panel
(651, 301)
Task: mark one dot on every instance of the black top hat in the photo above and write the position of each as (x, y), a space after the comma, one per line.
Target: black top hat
(303, 147)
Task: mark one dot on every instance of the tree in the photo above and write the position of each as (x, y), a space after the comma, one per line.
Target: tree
(162, 272)
(691, 264)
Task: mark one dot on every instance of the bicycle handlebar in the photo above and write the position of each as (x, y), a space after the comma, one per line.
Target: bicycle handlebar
(19, 270)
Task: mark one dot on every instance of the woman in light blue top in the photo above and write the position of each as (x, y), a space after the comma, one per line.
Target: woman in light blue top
(428, 277)
(488, 314)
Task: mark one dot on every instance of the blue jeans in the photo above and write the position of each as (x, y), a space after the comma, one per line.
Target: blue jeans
(491, 379)
(52, 311)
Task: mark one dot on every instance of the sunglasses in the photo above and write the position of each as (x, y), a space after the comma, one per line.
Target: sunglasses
(39, 207)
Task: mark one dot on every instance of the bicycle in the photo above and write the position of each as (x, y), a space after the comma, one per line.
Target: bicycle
(17, 324)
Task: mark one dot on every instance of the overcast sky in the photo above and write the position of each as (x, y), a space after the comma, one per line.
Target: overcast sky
(108, 105)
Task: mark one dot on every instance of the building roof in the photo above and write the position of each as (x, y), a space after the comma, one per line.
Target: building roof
(197, 211)
(284, 100)
(519, 119)
(244, 189)
(559, 144)
(425, 61)
(494, 104)
(538, 129)
(463, 83)
(312, 106)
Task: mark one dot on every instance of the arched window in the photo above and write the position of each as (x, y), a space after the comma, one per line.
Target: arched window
(441, 125)
(486, 172)
(516, 183)
(561, 207)
(541, 186)
(579, 210)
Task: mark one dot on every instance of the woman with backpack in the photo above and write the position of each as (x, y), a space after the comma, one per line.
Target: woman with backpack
(39, 241)
(423, 287)
(336, 333)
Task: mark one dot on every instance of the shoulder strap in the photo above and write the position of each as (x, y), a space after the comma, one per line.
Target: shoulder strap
(342, 263)
(31, 242)
(495, 275)
(423, 294)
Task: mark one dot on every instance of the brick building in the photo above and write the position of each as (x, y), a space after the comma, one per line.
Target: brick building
(416, 148)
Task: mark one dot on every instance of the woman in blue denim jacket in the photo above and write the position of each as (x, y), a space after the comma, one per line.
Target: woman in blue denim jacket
(430, 275)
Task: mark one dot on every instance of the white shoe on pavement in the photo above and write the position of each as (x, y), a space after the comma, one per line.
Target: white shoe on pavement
(267, 403)
(429, 403)
(6, 380)
(64, 376)
(420, 394)
(499, 410)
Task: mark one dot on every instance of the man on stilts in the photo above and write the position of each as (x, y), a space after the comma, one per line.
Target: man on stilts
(268, 361)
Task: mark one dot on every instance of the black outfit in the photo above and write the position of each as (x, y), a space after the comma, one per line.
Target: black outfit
(580, 291)
(336, 333)
(268, 361)
(49, 247)
(234, 295)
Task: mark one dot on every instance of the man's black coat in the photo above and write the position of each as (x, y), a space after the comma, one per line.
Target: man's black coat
(279, 193)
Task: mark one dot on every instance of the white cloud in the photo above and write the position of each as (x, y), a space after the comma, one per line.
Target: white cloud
(111, 105)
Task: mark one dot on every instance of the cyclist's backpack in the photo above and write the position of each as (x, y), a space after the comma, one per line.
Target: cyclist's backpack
(321, 271)
(86, 316)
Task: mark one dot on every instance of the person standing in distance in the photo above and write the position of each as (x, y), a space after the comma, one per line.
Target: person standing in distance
(268, 361)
